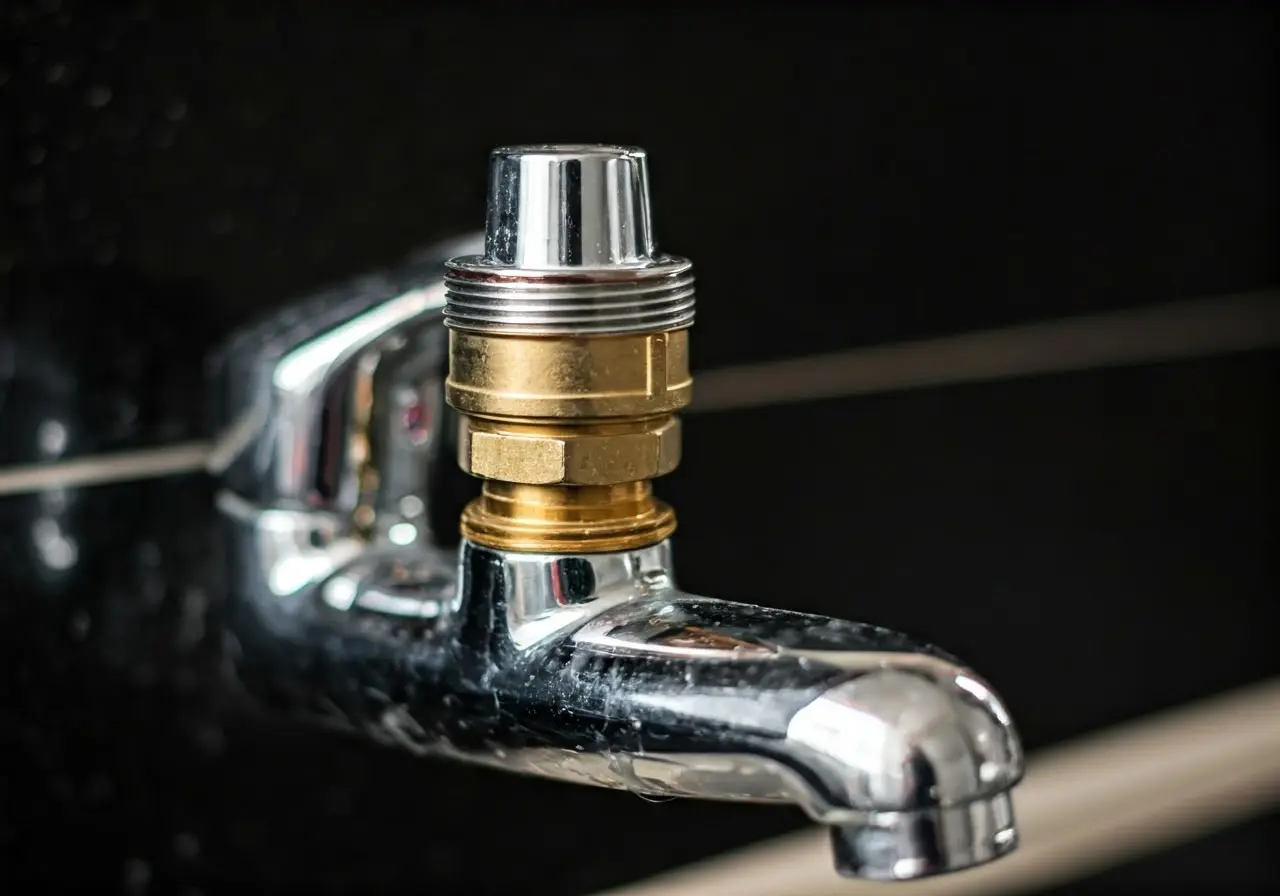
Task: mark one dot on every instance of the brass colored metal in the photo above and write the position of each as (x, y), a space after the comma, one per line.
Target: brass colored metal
(568, 354)
(585, 454)
(567, 519)
(567, 431)
(559, 377)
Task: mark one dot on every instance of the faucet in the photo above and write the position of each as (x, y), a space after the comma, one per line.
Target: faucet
(548, 359)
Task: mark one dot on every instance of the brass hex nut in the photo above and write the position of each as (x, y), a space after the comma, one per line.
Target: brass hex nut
(568, 458)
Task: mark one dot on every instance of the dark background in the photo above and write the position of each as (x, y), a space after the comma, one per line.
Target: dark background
(1100, 544)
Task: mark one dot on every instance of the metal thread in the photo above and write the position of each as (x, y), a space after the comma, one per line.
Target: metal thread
(548, 306)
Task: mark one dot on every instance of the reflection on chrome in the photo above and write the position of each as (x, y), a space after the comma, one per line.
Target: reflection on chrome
(594, 669)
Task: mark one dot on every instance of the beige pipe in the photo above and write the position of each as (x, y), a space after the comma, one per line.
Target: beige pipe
(1157, 333)
(1084, 806)
(103, 469)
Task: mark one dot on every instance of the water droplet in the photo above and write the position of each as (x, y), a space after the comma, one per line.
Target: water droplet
(55, 73)
(29, 193)
(176, 110)
(98, 788)
(186, 846)
(57, 550)
(194, 603)
(210, 740)
(144, 675)
(51, 437)
(149, 553)
(97, 97)
(62, 788)
(137, 876)
(36, 154)
(81, 622)
(402, 534)
(163, 138)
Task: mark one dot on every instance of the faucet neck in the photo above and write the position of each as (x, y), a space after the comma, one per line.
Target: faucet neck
(512, 601)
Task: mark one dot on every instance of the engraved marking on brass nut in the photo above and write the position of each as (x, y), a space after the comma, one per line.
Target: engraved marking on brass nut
(638, 375)
(564, 455)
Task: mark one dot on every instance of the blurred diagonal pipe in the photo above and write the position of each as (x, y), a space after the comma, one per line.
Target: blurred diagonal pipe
(1168, 332)
(1084, 806)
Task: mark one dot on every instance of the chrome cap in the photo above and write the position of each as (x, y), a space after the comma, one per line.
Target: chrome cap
(568, 206)
(569, 249)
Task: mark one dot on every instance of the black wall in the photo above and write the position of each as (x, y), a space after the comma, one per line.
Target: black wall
(1100, 544)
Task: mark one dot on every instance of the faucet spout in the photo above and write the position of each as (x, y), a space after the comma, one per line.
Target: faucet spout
(603, 672)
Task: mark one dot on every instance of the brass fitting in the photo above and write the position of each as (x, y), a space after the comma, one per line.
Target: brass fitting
(569, 410)
(586, 454)
(568, 355)
(569, 377)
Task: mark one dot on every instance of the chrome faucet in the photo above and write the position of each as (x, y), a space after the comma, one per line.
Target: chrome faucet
(553, 640)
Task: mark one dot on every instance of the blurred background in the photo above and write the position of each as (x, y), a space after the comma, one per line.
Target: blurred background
(1100, 544)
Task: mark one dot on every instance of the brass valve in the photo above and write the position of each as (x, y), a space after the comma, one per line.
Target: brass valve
(568, 354)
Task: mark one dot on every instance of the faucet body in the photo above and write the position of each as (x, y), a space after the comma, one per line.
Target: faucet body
(585, 665)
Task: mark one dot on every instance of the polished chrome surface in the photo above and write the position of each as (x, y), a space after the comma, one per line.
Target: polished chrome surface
(553, 207)
(295, 432)
(337, 406)
(898, 730)
(569, 248)
(548, 594)
(908, 845)
(590, 668)
(905, 753)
